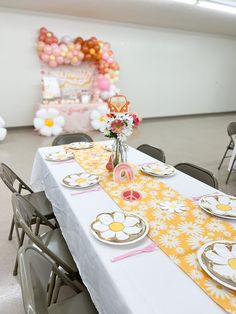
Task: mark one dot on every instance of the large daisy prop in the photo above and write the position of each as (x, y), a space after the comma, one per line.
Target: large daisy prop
(98, 118)
(48, 122)
(223, 260)
(116, 226)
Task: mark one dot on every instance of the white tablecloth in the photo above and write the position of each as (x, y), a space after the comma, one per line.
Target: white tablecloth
(148, 283)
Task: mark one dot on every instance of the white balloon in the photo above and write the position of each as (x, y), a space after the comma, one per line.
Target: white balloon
(3, 133)
(2, 122)
(105, 95)
(66, 39)
(38, 123)
(95, 124)
(46, 131)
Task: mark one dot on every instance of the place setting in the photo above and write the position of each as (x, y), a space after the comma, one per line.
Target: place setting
(80, 145)
(60, 156)
(158, 170)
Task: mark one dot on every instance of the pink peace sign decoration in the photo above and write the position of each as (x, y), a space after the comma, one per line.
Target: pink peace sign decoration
(131, 195)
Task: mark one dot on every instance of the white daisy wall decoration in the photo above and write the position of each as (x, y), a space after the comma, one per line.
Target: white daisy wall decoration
(98, 118)
(3, 130)
(48, 122)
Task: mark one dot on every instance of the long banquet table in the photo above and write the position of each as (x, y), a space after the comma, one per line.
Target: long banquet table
(149, 283)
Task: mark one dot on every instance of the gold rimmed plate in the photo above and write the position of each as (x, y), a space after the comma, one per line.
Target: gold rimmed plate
(80, 145)
(223, 206)
(158, 170)
(119, 228)
(218, 260)
(80, 180)
(59, 156)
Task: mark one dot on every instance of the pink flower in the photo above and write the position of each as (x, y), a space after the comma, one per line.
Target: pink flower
(117, 126)
(136, 119)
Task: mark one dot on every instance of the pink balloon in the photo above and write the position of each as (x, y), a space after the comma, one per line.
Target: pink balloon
(60, 60)
(109, 60)
(41, 45)
(103, 84)
(54, 46)
(48, 49)
(56, 52)
(75, 52)
(45, 57)
(69, 55)
(105, 56)
(77, 46)
(67, 61)
(52, 63)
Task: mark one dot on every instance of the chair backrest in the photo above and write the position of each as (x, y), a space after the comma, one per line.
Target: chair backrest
(70, 138)
(152, 151)
(198, 173)
(34, 271)
(231, 130)
(12, 180)
(23, 211)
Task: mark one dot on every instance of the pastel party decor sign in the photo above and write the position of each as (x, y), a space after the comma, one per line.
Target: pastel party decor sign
(74, 51)
(48, 122)
(123, 172)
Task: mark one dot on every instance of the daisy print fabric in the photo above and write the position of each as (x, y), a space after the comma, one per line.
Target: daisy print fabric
(179, 232)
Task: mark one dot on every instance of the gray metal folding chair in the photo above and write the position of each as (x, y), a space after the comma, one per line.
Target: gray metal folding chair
(231, 130)
(231, 169)
(37, 199)
(70, 138)
(51, 243)
(198, 173)
(152, 151)
(36, 271)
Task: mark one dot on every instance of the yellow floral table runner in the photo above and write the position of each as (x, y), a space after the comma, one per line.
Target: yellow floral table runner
(178, 235)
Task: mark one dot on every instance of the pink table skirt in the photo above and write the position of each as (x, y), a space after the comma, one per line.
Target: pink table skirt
(77, 116)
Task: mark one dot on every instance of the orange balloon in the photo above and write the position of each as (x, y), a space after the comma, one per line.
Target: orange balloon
(92, 51)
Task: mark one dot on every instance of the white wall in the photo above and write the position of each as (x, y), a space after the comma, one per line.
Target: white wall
(163, 72)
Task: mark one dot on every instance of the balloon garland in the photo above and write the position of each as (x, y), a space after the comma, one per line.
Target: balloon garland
(3, 130)
(73, 52)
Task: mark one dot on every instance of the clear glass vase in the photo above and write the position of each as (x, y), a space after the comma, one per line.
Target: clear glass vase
(119, 152)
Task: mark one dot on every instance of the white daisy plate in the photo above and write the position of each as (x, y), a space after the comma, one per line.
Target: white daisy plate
(218, 260)
(119, 228)
(59, 156)
(80, 180)
(159, 170)
(80, 145)
(223, 206)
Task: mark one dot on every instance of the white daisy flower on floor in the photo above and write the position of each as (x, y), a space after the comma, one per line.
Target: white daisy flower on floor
(215, 226)
(189, 228)
(98, 118)
(192, 260)
(196, 274)
(48, 122)
(224, 260)
(169, 241)
(221, 204)
(196, 241)
(173, 207)
(116, 225)
(217, 290)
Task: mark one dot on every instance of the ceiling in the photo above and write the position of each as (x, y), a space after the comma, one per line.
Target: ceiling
(160, 13)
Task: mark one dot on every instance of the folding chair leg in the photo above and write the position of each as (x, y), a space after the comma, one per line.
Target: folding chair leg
(15, 270)
(56, 290)
(38, 222)
(51, 288)
(223, 158)
(11, 229)
(231, 169)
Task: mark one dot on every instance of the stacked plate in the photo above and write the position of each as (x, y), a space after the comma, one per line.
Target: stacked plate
(223, 206)
(119, 228)
(80, 145)
(80, 180)
(159, 170)
(218, 259)
(61, 155)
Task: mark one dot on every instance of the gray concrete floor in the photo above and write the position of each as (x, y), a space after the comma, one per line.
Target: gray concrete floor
(200, 140)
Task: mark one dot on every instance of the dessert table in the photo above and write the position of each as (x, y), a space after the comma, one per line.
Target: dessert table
(142, 284)
(76, 115)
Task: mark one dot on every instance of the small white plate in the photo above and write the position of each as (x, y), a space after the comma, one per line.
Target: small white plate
(216, 259)
(59, 156)
(158, 170)
(223, 206)
(119, 228)
(80, 145)
(80, 180)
